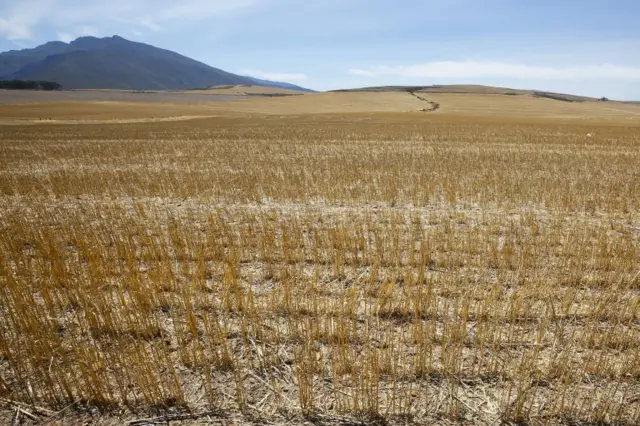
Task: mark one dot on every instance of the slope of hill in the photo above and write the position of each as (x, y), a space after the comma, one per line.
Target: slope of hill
(247, 90)
(474, 89)
(115, 63)
(14, 60)
(80, 106)
(280, 84)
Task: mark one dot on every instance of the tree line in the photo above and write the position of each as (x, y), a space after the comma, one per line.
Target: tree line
(29, 85)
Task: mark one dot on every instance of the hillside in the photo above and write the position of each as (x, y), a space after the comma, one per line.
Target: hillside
(247, 90)
(104, 106)
(475, 89)
(279, 84)
(115, 63)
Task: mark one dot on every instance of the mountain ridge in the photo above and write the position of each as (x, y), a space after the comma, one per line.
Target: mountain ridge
(117, 63)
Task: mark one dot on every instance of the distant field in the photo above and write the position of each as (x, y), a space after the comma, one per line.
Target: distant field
(29, 96)
(215, 94)
(333, 258)
(125, 110)
(126, 106)
(449, 104)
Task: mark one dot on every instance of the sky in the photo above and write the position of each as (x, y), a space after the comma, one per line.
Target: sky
(585, 47)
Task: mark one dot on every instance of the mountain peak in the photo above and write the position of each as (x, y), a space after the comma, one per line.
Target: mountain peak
(54, 43)
(90, 42)
(115, 63)
(113, 37)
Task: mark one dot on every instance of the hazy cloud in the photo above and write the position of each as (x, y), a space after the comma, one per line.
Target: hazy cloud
(489, 69)
(360, 72)
(21, 20)
(82, 30)
(17, 19)
(88, 30)
(285, 76)
(66, 37)
(14, 29)
(147, 23)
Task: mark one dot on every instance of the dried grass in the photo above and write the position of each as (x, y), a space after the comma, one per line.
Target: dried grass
(357, 269)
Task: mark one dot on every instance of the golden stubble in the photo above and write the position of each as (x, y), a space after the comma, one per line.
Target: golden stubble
(372, 266)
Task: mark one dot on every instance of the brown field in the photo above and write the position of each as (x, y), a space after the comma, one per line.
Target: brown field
(9, 97)
(452, 106)
(214, 94)
(337, 258)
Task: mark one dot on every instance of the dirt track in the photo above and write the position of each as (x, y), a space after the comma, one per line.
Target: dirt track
(433, 105)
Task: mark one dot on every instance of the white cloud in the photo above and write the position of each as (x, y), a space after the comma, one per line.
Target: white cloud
(20, 20)
(66, 37)
(360, 72)
(88, 30)
(149, 24)
(276, 75)
(17, 19)
(15, 30)
(195, 10)
(285, 76)
(82, 30)
(489, 69)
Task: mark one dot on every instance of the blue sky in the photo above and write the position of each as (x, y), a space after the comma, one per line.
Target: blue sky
(587, 47)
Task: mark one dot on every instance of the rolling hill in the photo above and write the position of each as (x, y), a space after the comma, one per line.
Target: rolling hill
(474, 89)
(117, 63)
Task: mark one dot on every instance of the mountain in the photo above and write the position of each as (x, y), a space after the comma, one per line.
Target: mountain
(280, 84)
(116, 63)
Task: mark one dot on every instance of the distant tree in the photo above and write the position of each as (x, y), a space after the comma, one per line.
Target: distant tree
(49, 85)
(603, 99)
(29, 85)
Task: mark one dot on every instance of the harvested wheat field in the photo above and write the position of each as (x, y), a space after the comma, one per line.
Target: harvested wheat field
(321, 259)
